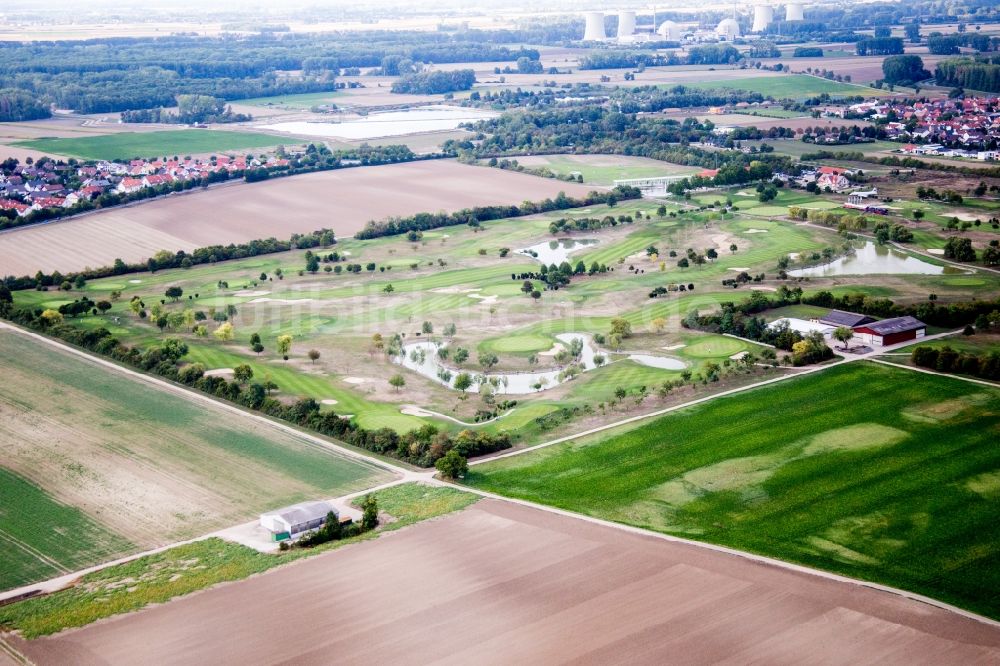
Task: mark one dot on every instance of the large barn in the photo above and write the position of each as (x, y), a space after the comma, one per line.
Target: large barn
(295, 520)
(842, 318)
(891, 331)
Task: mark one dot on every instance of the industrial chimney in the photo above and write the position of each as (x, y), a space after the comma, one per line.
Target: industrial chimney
(626, 24)
(594, 30)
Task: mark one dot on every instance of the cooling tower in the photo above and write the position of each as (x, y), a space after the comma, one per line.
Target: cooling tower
(763, 16)
(793, 12)
(670, 31)
(626, 24)
(594, 30)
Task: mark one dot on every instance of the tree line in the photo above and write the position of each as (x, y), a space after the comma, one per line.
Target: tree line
(946, 359)
(434, 83)
(478, 214)
(976, 74)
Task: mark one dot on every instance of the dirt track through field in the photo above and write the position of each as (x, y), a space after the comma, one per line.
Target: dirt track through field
(343, 200)
(500, 583)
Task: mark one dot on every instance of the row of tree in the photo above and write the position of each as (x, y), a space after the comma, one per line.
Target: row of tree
(946, 359)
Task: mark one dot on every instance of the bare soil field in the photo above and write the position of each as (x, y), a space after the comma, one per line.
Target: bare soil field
(863, 69)
(343, 200)
(499, 583)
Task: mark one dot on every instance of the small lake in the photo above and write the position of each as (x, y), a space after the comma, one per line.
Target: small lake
(875, 259)
(422, 357)
(556, 251)
(388, 123)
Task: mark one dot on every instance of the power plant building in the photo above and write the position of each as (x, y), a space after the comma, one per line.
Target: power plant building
(669, 31)
(728, 30)
(794, 12)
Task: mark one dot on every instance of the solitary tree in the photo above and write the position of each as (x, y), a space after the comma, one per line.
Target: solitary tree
(313, 355)
(369, 516)
(463, 382)
(452, 465)
(388, 289)
(174, 293)
(243, 373)
(488, 360)
(284, 345)
(397, 382)
(224, 333)
(843, 334)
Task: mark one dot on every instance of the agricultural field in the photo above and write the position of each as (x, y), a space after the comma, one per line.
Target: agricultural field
(792, 86)
(147, 465)
(517, 585)
(343, 200)
(302, 102)
(899, 488)
(129, 145)
(160, 577)
(605, 169)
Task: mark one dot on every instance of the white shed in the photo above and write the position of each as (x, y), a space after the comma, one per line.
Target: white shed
(295, 520)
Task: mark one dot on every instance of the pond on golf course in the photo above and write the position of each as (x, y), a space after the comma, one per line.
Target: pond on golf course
(556, 251)
(422, 357)
(872, 259)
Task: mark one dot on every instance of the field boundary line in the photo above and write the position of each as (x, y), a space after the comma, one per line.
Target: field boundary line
(726, 550)
(971, 380)
(201, 397)
(8, 649)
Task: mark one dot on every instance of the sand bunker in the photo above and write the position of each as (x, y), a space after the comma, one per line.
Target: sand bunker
(738, 355)
(247, 292)
(135, 281)
(455, 290)
(755, 231)
(328, 401)
(556, 348)
(413, 410)
(219, 372)
(283, 301)
(673, 347)
(740, 269)
(964, 217)
(486, 300)
(937, 251)
(358, 380)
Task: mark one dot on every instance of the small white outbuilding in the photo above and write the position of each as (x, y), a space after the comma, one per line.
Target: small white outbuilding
(295, 520)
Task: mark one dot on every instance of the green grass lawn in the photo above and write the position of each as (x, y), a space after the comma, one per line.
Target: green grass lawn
(605, 169)
(128, 145)
(869, 471)
(792, 86)
(41, 538)
(185, 569)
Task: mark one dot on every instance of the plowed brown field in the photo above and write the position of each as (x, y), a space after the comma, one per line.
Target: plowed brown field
(341, 200)
(505, 584)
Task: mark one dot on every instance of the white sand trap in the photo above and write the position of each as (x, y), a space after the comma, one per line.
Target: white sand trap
(346, 253)
(284, 301)
(794, 256)
(964, 217)
(219, 372)
(358, 380)
(328, 401)
(247, 292)
(764, 289)
(744, 193)
(755, 231)
(673, 347)
(413, 410)
(135, 281)
(445, 236)
(738, 355)
(556, 348)
(937, 251)
(739, 269)
(346, 416)
(485, 300)
(455, 290)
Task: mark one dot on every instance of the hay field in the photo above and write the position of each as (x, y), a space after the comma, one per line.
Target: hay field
(341, 200)
(792, 86)
(498, 583)
(899, 487)
(147, 465)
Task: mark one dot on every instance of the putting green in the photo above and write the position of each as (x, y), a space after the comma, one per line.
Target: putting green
(964, 282)
(518, 344)
(714, 348)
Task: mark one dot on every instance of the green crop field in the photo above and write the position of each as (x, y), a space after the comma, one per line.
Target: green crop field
(605, 169)
(792, 86)
(302, 101)
(128, 145)
(877, 473)
(41, 538)
(146, 466)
